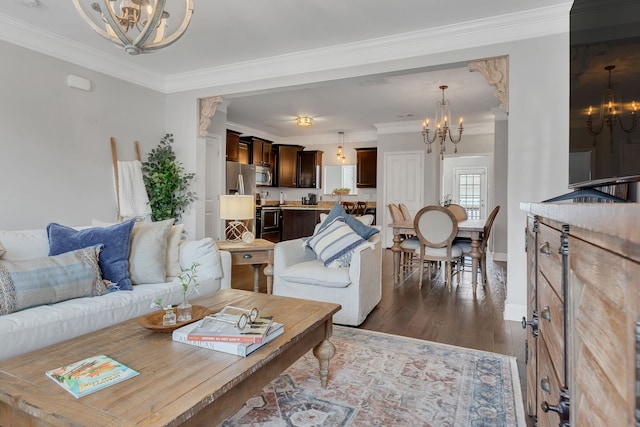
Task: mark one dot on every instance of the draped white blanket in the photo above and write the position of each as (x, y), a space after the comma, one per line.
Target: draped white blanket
(132, 195)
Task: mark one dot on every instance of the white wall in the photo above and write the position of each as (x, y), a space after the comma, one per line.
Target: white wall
(55, 156)
(537, 133)
(58, 139)
(500, 187)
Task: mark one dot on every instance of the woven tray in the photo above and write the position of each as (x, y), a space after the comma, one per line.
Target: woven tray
(153, 321)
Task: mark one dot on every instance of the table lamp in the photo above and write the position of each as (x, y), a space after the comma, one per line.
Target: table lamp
(236, 208)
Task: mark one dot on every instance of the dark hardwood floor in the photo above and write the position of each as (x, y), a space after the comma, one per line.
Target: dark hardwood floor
(433, 313)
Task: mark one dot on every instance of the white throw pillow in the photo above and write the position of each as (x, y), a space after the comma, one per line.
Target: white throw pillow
(173, 250)
(25, 244)
(148, 253)
(205, 252)
(173, 246)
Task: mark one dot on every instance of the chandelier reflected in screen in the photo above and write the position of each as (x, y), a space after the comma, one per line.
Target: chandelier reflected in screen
(139, 26)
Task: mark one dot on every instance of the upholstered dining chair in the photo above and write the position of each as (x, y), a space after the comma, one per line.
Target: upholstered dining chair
(436, 228)
(409, 244)
(458, 211)
(466, 246)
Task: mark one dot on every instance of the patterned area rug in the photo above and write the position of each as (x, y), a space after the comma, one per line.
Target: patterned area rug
(377, 379)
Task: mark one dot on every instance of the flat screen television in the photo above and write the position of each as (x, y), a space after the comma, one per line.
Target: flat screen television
(605, 59)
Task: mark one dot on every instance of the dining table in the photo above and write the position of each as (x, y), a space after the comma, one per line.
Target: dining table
(470, 228)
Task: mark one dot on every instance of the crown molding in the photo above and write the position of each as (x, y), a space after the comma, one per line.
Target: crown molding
(497, 29)
(249, 131)
(45, 42)
(331, 138)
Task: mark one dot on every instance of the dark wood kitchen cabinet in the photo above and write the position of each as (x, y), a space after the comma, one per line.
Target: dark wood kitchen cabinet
(298, 223)
(260, 150)
(233, 146)
(367, 166)
(286, 164)
(309, 174)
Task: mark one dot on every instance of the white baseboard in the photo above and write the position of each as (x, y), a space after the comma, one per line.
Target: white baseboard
(499, 256)
(515, 312)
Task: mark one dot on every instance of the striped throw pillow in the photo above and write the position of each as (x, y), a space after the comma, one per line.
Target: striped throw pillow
(335, 243)
(48, 280)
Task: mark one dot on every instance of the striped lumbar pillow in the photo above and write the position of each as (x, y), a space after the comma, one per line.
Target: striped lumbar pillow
(335, 242)
(48, 280)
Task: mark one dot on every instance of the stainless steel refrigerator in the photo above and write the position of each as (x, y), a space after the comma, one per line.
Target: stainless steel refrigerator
(241, 179)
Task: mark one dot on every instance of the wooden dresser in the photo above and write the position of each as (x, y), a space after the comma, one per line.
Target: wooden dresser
(583, 313)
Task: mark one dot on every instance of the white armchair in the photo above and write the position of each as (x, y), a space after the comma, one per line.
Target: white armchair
(358, 288)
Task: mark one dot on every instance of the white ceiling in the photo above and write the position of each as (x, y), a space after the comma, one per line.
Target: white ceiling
(239, 35)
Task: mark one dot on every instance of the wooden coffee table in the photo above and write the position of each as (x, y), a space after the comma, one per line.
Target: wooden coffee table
(179, 384)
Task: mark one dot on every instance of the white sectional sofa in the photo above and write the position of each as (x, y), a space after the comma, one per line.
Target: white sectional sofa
(36, 327)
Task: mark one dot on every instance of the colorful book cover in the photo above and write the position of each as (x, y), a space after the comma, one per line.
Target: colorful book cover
(90, 374)
(213, 329)
(238, 349)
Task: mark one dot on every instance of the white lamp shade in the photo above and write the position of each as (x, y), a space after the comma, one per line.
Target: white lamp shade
(237, 207)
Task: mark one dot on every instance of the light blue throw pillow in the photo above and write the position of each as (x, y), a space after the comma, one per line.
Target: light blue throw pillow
(335, 243)
(336, 211)
(114, 258)
(33, 282)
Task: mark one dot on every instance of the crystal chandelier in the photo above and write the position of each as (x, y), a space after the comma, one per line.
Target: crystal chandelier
(611, 110)
(442, 121)
(137, 25)
(340, 154)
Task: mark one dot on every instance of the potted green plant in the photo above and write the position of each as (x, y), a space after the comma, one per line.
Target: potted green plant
(166, 182)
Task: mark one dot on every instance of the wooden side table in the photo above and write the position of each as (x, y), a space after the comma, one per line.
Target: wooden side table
(256, 253)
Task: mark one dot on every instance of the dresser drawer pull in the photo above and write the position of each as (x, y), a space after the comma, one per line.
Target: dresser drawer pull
(562, 409)
(533, 323)
(247, 256)
(545, 385)
(544, 248)
(546, 313)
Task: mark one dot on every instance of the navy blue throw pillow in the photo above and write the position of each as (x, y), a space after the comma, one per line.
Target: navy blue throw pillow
(363, 231)
(114, 258)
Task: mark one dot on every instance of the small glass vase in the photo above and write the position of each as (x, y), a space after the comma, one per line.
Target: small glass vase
(184, 312)
(169, 317)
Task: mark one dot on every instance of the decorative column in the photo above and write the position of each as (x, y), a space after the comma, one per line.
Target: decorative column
(496, 73)
(207, 110)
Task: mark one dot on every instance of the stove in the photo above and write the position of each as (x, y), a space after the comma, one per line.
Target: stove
(269, 223)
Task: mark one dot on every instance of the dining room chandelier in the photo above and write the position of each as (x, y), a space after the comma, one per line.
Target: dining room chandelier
(442, 123)
(340, 154)
(611, 111)
(139, 26)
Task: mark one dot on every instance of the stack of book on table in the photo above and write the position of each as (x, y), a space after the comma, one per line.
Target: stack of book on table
(218, 335)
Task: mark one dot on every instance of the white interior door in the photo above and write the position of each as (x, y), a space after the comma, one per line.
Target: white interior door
(403, 183)
(214, 181)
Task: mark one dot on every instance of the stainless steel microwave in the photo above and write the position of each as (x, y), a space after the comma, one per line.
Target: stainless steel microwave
(263, 176)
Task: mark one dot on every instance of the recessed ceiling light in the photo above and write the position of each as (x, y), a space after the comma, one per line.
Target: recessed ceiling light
(304, 121)
(404, 116)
